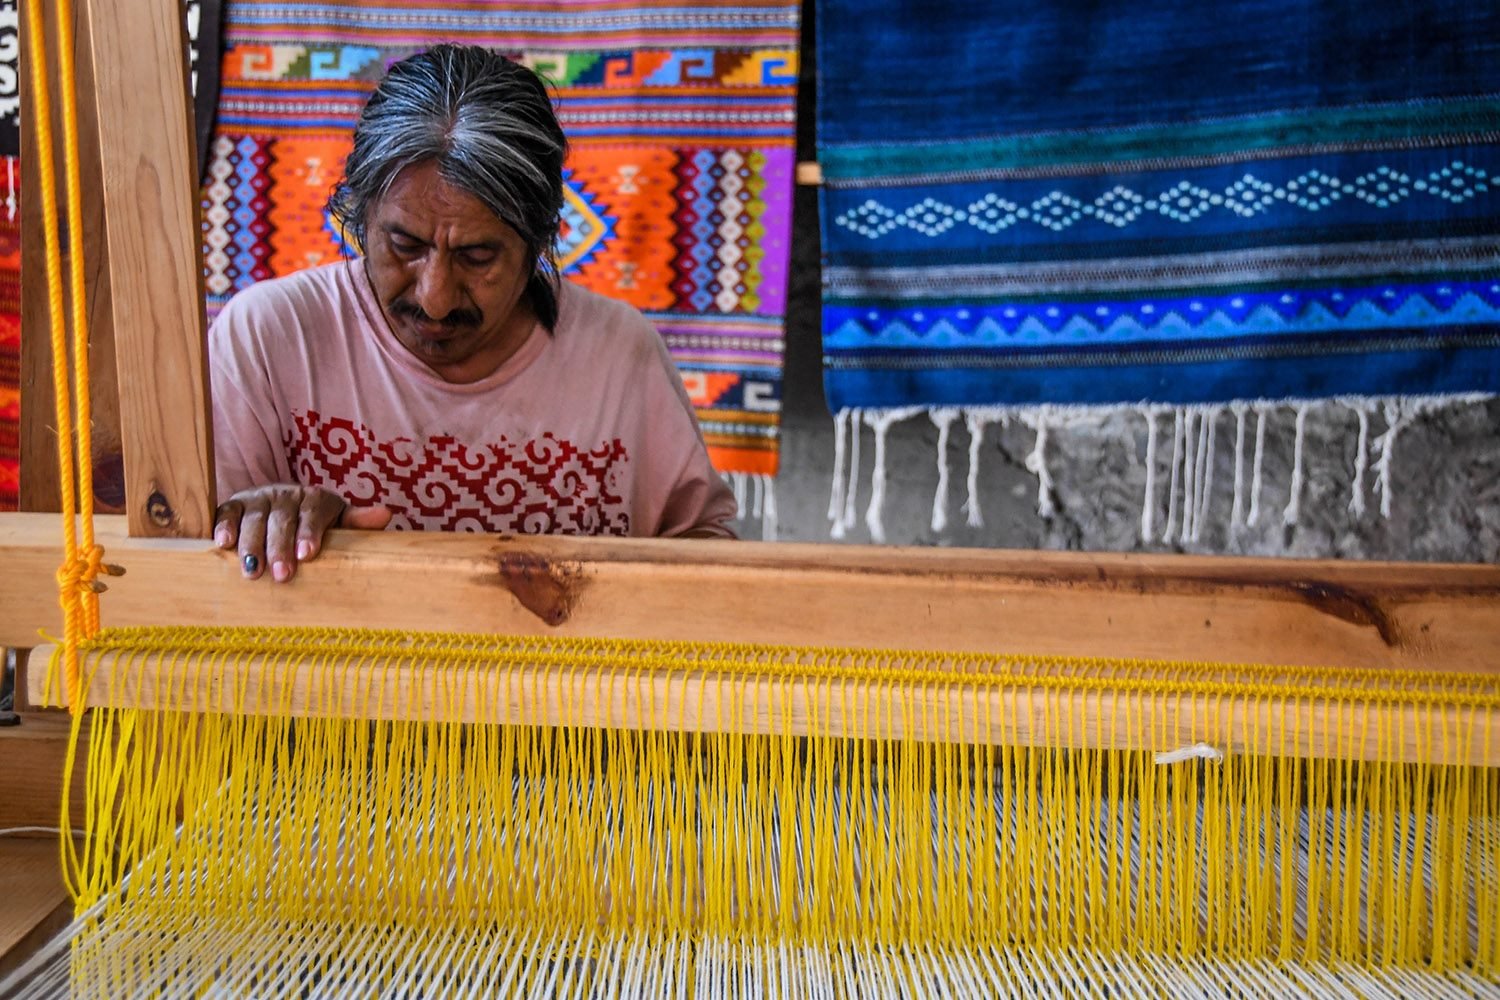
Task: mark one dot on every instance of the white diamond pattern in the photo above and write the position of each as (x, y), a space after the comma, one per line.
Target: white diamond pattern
(1184, 202)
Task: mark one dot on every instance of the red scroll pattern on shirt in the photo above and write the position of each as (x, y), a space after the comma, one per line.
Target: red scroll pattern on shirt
(540, 486)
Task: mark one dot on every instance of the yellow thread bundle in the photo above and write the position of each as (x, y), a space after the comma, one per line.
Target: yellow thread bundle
(599, 848)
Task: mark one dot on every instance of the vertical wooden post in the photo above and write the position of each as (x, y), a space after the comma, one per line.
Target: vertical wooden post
(39, 486)
(147, 158)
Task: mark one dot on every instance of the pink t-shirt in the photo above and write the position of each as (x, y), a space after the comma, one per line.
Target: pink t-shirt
(584, 431)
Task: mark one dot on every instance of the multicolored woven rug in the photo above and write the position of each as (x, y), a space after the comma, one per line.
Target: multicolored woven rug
(681, 119)
(1171, 205)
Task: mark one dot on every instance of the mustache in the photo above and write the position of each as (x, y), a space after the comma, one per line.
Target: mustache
(454, 320)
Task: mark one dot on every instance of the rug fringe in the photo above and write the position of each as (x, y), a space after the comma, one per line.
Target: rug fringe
(755, 500)
(1190, 499)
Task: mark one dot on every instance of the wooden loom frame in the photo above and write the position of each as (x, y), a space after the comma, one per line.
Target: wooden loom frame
(1403, 617)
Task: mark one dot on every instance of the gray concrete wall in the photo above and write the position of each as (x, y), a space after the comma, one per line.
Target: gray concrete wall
(1446, 465)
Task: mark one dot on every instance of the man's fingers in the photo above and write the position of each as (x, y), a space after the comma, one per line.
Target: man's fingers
(252, 536)
(320, 511)
(227, 523)
(281, 536)
(366, 518)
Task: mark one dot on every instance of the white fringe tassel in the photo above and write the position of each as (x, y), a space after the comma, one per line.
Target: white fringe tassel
(1237, 513)
(1178, 434)
(943, 418)
(768, 524)
(1361, 460)
(1260, 450)
(880, 422)
(1294, 503)
(1036, 462)
(1148, 504)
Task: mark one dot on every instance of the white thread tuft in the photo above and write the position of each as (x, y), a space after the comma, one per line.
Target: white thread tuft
(943, 418)
(975, 422)
(1176, 466)
(738, 481)
(1036, 460)
(1255, 478)
(1205, 491)
(1361, 461)
(1237, 512)
(1197, 751)
(880, 422)
(757, 505)
(1294, 504)
(836, 493)
(1148, 504)
(851, 494)
(1395, 419)
(1189, 473)
(768, 525)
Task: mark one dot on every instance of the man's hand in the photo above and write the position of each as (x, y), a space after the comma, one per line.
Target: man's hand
(282, 525)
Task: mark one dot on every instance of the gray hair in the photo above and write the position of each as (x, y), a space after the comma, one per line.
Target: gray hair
(489, 125)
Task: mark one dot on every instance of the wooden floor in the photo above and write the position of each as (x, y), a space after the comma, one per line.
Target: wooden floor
(33, 903)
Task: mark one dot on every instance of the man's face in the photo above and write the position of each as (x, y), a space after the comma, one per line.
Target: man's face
(450, 276)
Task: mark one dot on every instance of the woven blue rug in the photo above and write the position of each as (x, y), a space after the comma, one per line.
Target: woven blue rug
(1170, 202)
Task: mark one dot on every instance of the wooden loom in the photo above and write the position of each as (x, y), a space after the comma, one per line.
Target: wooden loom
(1161, 641)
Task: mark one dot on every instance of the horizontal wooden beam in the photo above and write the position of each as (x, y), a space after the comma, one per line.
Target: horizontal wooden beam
(1113, 710)
(1418, 617)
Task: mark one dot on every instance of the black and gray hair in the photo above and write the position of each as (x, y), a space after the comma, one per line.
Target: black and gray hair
(489, 125)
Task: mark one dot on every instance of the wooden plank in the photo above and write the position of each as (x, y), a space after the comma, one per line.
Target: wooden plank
(1420, 617)
(34, 904)
(1128, 709)
(33, 754)
(39, 486)
(150, 197)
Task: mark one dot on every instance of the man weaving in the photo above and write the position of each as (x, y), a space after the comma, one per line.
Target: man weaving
(449, 379)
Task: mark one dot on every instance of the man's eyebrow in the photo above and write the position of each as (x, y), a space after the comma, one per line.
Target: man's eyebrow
(494, 245)
(392, 229)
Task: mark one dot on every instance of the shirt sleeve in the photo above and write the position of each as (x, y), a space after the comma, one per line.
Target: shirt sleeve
(697, 500)
(247, 426)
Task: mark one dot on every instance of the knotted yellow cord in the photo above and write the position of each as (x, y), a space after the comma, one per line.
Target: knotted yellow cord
(83, 557)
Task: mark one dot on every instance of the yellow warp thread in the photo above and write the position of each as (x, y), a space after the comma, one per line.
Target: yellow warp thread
(778, 829)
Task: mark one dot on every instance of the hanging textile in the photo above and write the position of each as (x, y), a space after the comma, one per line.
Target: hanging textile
(1043, 212)
(678, 185)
